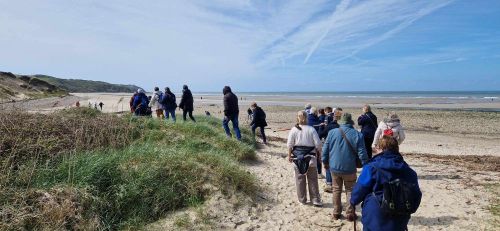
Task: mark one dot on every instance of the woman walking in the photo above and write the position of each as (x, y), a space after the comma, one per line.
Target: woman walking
(304, 148)
(387, 180)
(391, 126)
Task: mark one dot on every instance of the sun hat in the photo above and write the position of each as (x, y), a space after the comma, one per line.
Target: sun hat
(346, 118)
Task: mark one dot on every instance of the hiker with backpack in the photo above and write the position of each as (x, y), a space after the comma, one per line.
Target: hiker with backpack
(231, 112)
(388, 188)
(304, 148)
(169, 104)
(140, 103)
(155, 104)
(343, 152)
(391, 126)
(258, 120)
(186, 104)
(323, 135)
(368, 123)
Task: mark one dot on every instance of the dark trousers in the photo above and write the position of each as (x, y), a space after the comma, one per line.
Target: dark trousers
(185, 112)
(261, 132)
(368, 146)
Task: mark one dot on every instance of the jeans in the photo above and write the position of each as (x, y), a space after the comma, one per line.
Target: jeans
(261, 132)
(234, 120)
(328, 177)
(169, 112)
(184, 113)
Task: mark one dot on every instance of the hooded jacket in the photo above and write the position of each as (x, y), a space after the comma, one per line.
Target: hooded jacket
(140, 103)
(230, 103)
(382, 168)
(397, 129)
(155, 101)
(187, 100)
(337, 153)
(259, 117)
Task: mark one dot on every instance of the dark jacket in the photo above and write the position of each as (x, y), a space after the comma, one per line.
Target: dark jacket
(368, 123)
(313, 120)
(259, 117)
(337, 153)
(368, 190)
(230, 103)
(187, 100)
(170, 101)
(323, 131)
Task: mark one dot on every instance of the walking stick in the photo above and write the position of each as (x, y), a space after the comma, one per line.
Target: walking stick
(354, 220)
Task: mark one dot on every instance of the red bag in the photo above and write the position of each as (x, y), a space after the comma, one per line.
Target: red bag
(388, 131)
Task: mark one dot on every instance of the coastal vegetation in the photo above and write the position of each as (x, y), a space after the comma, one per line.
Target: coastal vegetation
(82, 169)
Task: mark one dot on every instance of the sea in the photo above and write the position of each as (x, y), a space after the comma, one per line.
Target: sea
(457, 95)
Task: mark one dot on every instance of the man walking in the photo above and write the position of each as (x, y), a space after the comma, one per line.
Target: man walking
(169, 104)
(368, 123)
(231, 112)
(187, 103)
(340, 151)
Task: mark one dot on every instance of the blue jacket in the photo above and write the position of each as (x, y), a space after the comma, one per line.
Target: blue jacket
(368, 123)
(371, 180)
(337, 153)
(313, 120)
(140, 104)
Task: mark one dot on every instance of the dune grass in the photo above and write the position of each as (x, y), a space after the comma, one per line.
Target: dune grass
(166, 167)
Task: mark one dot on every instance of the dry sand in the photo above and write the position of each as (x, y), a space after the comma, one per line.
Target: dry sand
(455, 191)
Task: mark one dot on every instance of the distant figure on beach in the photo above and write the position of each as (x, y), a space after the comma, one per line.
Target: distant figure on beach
(304, 148)
(231, 112)
(186, 104)
(368, 123)
(95, 105)
(207, 113)
(140, 103)
(340, 151)
(391, 126)
(77, 103)
(258, 121)
(169, 103)
(131, 102)
(101, 104)
(387, 175)
(155, 104)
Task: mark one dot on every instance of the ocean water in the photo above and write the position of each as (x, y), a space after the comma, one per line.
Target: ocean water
(456, 95)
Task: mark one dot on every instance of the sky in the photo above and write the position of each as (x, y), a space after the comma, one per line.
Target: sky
(281, 45)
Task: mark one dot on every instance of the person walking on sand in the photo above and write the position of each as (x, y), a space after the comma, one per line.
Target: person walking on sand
(186, 104)
(391, 126)
(387, 171)
(155, 104)
(323, 135)
(368, 123)
(304, 148)
(258, 120)
(131, 102)
(231, 112)
(169, 104)
(340, 151)
(101, 104)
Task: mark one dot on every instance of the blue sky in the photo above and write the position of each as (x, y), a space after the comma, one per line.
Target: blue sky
(283, 45)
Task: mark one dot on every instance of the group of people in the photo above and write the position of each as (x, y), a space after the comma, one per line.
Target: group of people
(387, 186)
(164, 105)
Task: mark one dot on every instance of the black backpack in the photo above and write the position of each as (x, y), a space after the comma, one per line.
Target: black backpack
(399, 198)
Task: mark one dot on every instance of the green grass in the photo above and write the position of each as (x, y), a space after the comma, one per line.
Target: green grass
(169, 166)
(494, 207)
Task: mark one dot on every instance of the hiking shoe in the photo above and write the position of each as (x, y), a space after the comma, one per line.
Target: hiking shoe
(328, 189)
(318, 204)
(336, 217)
(352, 217)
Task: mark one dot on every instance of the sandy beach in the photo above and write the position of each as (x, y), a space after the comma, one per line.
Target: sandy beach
(457, 192)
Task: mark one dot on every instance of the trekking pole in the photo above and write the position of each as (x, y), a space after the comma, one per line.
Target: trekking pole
(354, 220)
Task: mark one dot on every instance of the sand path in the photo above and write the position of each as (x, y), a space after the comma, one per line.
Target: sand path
(453, 199)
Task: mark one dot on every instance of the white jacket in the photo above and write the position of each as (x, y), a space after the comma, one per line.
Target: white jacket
(397, 130)
(155, 101)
